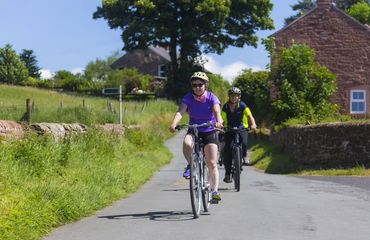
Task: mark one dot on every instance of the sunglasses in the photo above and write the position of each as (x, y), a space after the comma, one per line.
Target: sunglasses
(194, 85)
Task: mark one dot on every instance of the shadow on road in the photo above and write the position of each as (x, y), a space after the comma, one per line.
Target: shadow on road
(155, 216)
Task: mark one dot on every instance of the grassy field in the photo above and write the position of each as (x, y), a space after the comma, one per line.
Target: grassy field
(51, 106)
(44, 184)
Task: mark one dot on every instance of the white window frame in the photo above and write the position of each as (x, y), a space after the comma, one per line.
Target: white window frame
(161, 73)
(358, 101)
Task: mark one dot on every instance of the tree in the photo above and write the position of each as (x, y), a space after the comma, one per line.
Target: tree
(12, 69)
(31, 63)
(303, 86)
(99, 69)
(255, 87)
(67, 80)
(303, 6)
(190, 27)
(360, 11)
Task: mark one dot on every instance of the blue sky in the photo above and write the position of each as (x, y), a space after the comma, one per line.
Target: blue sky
(64, 36)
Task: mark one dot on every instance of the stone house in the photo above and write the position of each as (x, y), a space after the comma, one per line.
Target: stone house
(152, 61)
(343, 45)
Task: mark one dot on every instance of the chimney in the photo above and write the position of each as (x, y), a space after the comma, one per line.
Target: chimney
(324, 3)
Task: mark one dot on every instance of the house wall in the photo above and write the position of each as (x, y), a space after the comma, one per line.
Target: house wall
(341, 44)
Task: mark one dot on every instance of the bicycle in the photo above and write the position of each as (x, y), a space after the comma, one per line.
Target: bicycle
(200, 190)
(237, 154)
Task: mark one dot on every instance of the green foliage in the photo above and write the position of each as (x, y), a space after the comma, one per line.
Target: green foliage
(304, 87)
(29, 59)
(129, 78)
(44, 184)
(187, 27)
(219, 86)
(360, 11)
(255, 87)
(303, 6)
(98, 70)
(12, 69)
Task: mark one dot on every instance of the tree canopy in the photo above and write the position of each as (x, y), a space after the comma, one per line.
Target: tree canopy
(303, 6)
(189, 28)
(29, 59)
(304, 87)
(12, 69)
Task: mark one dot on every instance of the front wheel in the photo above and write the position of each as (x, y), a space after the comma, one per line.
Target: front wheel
(195, 186)
(236, 167)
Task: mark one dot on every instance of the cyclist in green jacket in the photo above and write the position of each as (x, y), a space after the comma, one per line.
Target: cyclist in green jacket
(235, 113)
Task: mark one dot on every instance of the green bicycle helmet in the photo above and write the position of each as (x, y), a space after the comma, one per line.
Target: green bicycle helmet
(200, 75)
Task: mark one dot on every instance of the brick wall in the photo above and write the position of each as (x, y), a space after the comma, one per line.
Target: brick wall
(341, 43)
(336, 144)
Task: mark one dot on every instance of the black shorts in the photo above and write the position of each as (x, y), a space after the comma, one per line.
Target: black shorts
(207, 137)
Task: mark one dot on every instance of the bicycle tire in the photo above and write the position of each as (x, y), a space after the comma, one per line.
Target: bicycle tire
(206, 189)
(236, 162)
(195, 188)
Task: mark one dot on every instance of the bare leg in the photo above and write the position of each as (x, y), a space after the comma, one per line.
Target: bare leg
(187, 147)
(210, 151)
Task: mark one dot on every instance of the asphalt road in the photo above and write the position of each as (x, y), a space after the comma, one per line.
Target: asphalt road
(267, 207)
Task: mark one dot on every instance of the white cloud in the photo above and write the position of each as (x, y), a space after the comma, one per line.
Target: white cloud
(46, 74)
(229, 71)
(77, 70)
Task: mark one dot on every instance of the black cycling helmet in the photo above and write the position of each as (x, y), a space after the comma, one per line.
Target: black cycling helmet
(235, 90)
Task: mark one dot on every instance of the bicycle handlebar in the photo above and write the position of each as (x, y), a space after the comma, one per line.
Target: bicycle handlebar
(207, 124)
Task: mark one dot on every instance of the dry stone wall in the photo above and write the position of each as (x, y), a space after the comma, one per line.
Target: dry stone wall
(11, 130)
(336, 144)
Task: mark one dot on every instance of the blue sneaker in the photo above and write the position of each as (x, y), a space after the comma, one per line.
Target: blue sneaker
(216, 197)
(186, 173)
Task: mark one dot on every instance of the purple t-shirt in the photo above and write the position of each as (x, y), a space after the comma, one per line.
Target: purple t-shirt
(201, 112)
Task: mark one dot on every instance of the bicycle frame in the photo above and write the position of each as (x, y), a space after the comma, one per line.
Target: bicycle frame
(199, 186)
(236, 148)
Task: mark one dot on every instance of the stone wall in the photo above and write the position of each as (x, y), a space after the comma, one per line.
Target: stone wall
(11, 130)
(336, 144)
(342, 44)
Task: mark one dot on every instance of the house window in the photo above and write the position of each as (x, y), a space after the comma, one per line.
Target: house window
(358, 101)
(162, 71)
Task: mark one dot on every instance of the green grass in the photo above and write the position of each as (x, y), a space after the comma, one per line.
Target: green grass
(269, 159)
(44, 184)
(51, 106)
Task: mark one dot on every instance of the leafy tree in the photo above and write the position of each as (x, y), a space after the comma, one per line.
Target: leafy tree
(303, 6)
(67, 80)
(190, 27)
(345, 4)
(360, 11)
(12, 69)
(303, 86)
(218, 86)
(29, 59)
(99, 69)
(129, 78)
(255, 87)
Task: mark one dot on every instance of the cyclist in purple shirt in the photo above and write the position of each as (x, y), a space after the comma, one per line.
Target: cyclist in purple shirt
(203, 106)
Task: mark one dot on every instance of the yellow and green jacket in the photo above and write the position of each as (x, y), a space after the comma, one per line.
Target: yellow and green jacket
(238, 118)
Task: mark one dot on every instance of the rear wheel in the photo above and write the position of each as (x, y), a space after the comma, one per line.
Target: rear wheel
(236, 165)
(206, 191)
(195, 189)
